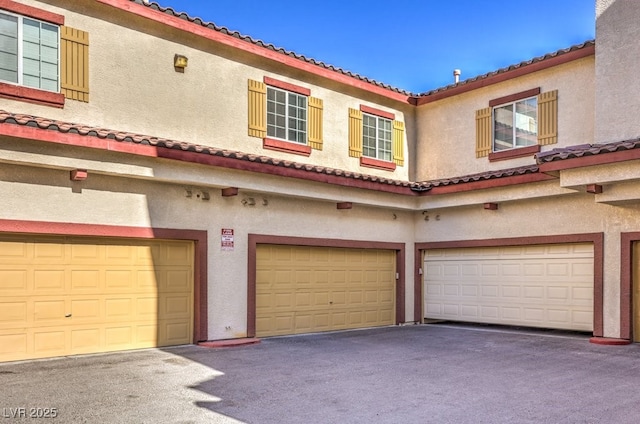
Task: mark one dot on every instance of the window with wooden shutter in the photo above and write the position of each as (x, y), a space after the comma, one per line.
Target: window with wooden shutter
(74, 63)
(517, 125)
(548, 117)
(257, 109)
(398, 142)
(355, 133)
(315, 123)
(483, 132)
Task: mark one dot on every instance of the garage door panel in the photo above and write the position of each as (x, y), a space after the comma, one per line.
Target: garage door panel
(48, 312)
(119, 280)
(49, 280)
(85, 279)
(49, 342)
(336, 283)
(175, 332)
(321, 321)
(123, 308)
(49, 253)
(14, 282)
(469, 311)
(79, 296)
(117, 338)
(175, 306)
(534, 314)
(516, 286)
(84, 340)
(83, 309)
(303, 322)
(146, 335)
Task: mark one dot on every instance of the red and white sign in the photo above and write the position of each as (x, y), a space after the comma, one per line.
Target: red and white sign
(226, 239)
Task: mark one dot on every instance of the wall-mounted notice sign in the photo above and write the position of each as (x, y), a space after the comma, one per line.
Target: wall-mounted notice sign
(226, 240)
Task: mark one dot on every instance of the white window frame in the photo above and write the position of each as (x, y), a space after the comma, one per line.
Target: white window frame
(514, 124)
(302, 135)
(381, 153)
(20, 52)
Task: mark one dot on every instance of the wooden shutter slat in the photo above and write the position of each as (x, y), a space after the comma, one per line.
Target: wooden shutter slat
(548, 117)
(398, 143)
(257, 109)
(483, 132)
(355, 133)
(315, 123)
(74, 63)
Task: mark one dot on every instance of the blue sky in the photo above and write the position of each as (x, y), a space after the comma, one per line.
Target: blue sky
(410, 44)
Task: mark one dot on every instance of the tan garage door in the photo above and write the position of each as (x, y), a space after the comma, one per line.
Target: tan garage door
(314, 289)
(548, 286)
(63, 296)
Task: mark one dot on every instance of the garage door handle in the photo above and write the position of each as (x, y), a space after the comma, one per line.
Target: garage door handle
(330, 303)
(68, 316)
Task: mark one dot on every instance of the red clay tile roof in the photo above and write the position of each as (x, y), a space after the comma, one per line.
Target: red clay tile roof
(583, 150)
(503, 173)
(560, 52)
(7, 118)
(198, 21)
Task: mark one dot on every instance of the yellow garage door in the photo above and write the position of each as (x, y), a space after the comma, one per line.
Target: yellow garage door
(312, 289)
(64, 296)
(548, 286)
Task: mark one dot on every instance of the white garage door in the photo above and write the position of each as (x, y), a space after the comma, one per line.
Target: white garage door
(547, 286)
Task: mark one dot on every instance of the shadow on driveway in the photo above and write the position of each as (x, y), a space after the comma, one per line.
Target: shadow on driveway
(411, 374)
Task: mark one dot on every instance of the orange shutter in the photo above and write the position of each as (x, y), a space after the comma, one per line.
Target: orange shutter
(74, 63)
(548, 117)
(483, 132)
(315, 123)
(355, 133)
(257, 109)
(398, 143)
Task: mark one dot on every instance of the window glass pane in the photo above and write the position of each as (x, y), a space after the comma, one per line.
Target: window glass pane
(503, 128)
(8, 48)
(526, 122)
(8, 67)
(286, 115)
(31, 72)
(31, 31)
(31, 81)
(48, 84)
(369, 136)
(49, 35)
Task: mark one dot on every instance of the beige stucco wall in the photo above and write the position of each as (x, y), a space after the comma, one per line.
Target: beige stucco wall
(134, 88)
(617, 79)
(115, 195)
(446, 128)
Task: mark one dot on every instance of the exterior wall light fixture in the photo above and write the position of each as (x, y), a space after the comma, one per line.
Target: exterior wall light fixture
(180, 62)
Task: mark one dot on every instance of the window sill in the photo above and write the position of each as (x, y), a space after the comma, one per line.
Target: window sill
(31, 95)
(286, 146)
(377, 164)
(519, 152)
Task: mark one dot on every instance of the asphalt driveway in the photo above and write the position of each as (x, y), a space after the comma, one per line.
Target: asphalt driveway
(412, 374)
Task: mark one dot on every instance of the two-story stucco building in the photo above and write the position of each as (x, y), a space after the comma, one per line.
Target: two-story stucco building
(189, 183)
